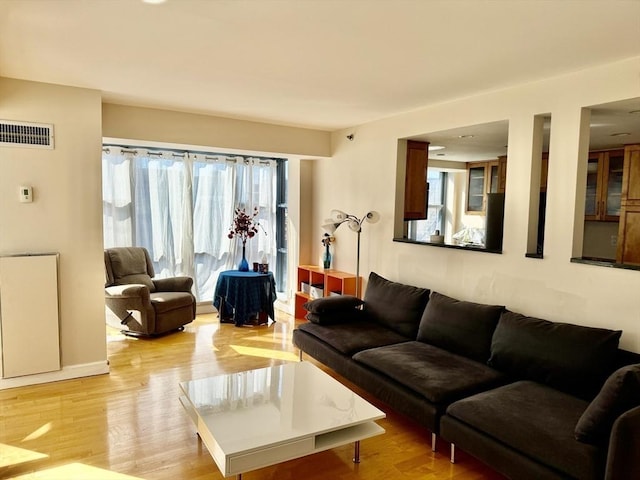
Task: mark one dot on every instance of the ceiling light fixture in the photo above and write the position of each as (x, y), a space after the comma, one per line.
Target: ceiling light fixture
(433, 148)
(154, 2)
(635, 112)
(466, 136)
(620, 134)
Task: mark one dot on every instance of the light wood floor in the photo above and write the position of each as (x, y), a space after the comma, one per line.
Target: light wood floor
(130, 423)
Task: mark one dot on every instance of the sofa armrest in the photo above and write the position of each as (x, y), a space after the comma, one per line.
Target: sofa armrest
(333, 303)
(173, 284)
(623, 460)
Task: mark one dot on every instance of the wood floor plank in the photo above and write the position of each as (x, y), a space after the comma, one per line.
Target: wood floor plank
(131, 422)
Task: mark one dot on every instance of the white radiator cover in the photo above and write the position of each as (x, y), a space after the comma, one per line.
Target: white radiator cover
(29, 321)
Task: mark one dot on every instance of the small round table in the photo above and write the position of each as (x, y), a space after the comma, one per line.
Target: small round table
(240, 295)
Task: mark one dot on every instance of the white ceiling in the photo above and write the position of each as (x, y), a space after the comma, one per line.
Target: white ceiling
(323, 64)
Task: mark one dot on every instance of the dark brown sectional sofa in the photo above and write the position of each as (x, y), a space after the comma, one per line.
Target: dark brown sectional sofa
(531, 398)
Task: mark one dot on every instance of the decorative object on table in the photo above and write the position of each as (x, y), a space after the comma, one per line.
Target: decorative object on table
(263, 267)
(244, 226)
(436, 237)
(338, 217)
(256, 266)
(326, 254)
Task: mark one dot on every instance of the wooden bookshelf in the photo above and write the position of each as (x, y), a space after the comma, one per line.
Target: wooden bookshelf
(325, 281)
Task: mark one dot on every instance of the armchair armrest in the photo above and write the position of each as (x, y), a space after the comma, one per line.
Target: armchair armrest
(173, 284)
(623, 460)
(118, 292)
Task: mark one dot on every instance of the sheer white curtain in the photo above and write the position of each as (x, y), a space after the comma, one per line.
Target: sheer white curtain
(180, 207)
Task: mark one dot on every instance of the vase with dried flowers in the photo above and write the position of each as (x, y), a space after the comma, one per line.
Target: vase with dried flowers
(244, 226)
(326, 256)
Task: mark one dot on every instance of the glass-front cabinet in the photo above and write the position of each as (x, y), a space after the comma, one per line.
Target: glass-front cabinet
(604, 186)
(484, 177)
(475, 199)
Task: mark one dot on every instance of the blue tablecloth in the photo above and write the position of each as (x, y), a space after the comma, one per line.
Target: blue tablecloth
(243, 294)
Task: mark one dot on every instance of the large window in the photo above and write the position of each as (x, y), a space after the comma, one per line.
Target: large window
(180, 206)
(421, 230)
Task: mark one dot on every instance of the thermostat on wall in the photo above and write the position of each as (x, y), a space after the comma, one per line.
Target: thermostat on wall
(26, 194)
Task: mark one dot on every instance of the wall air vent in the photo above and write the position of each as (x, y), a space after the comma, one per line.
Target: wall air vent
(26, 134)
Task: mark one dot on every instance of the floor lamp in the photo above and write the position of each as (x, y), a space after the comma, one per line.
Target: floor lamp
(338, 217)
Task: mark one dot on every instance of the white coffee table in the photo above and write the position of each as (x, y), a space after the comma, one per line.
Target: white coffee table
(249, 420)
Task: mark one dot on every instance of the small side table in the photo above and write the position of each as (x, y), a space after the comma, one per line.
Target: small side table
(243, 294)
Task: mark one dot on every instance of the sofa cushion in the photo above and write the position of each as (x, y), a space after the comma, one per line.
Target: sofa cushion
(621, 392)
(436, 374)
(571, 358)
(462, 327)
(339, 316)
(536, 421)
(349, 338)
(333, 303)
(395, 305)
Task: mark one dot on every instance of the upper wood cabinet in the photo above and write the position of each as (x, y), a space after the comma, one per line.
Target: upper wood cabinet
(502, 174)
(604, 186)
(416, 194)
(628, 250)
(483, 178)
(544, 171)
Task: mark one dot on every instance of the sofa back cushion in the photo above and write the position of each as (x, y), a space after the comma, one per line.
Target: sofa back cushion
(621, 392)
(395, 305)
(571, 358)
(461, 327)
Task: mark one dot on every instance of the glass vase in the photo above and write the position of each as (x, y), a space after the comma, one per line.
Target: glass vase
(326, 258)
(243, 266)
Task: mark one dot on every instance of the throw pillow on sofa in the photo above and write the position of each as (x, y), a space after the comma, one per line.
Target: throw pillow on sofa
(621, 392)
(571, 358)
(395, 305)
(334, 303)
(334, 309)
(461, 327)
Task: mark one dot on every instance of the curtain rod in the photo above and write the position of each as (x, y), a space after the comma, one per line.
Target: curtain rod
(131, 149)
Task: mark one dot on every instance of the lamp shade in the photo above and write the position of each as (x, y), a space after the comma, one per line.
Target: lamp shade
(353, 225)
(330, 227)
(339, 215)
(372, 217)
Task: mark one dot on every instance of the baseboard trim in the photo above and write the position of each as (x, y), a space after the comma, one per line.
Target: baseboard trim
(66, 373)
(205, 308)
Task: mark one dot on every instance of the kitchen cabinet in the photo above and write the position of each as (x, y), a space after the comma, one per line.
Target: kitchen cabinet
(482, 178)
(628, 250)
(416, 193)
(604, 186)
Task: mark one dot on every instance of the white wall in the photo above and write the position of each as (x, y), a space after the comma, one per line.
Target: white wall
(65, 216)
(361, 176)
(178, 128)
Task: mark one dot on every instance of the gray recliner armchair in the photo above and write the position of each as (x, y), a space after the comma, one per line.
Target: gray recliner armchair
(142, 305)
